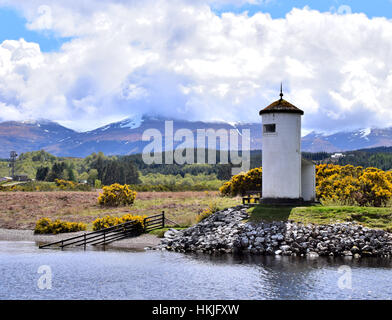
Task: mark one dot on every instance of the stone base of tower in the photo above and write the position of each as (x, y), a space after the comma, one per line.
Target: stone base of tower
(285, 202)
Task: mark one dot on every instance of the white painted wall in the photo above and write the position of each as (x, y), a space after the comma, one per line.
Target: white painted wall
(308, 180)
(282, 156)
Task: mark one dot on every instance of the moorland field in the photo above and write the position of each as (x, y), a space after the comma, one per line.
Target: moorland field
(21, 210)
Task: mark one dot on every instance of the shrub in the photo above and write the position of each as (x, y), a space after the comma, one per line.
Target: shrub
(47, 186)
(47, 226)
(212, 208)
(339, 189)
(353, 185)
(225, 190)
(240, 183)
(31, 186)
(64, 184)
(110, 221)
(344, 185)
(376, 187)
(116, 195)
(70, 185)
(97, 184)
(105, 222)
(170, 182)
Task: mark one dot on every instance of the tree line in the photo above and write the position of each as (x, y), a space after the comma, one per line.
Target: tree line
(99, 169)
(96, 169)
(381, 161)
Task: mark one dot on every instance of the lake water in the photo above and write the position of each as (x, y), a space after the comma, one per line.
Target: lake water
(114, 274)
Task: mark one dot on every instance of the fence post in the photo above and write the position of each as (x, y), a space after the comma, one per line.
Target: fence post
(163, 219)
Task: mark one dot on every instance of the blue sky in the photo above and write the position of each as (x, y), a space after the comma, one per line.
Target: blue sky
(13, 27)
(278, 9)
(13, 24)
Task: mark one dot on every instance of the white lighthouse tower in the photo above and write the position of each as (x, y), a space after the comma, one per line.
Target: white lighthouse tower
(287, 177)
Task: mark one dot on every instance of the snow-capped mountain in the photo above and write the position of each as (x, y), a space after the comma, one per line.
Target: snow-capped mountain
(125, 137)
(345, 141)
(26, 136)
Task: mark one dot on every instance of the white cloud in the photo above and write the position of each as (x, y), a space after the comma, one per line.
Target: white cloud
(43, 19)
(10, 112)
(179, 57)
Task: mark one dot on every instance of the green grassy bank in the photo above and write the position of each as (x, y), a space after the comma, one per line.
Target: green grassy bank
(377, 218)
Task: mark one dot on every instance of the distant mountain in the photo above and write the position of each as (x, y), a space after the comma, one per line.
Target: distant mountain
(119, 138)
(30, 135)
(125, 137)
(346, 141)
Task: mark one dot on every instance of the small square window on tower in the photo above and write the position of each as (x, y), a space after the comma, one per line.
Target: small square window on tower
(269, 128)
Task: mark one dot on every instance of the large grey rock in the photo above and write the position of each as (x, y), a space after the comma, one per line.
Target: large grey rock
(171, 233)
(312, 254)
(244, 242)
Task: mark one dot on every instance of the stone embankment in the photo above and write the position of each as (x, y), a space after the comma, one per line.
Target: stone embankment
(226, 232)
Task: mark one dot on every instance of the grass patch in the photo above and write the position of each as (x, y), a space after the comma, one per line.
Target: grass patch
(183, 209)
(160, 232)
(377, 218)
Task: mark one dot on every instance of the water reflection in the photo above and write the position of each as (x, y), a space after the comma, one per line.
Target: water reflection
(114, 274)
(306, 278)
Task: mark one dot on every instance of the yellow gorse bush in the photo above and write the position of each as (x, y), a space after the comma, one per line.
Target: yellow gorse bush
(353, 185)
(376, 187)
(47, 226)
(116, 195)
(243, 182)
(342, 184)
(65, 184)
(70, 185)
(110, 221)
(212, 208)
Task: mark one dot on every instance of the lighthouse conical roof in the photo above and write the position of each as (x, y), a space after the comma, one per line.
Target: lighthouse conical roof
(281, 106)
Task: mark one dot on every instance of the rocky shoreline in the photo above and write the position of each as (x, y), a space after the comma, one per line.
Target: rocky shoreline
(226, 232)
